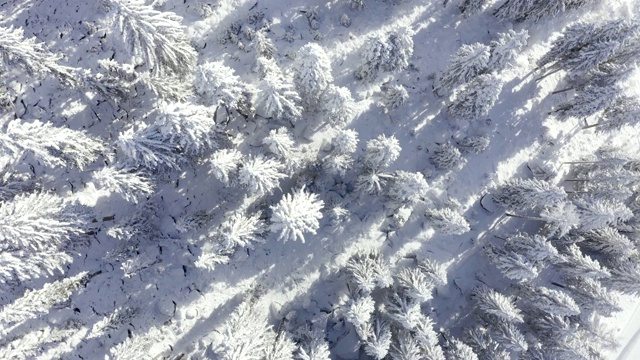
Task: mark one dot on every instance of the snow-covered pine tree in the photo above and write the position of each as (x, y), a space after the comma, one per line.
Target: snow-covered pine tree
(405, 347)
(281, 144)
(21, 265)
(534, 10)
(218, 85)
(457, 350)
(128, 182)
(391, 54)
(588, 101)
(560, 218)
(512, 265)
(403, 310)
(588, 47)
(345, 141)
(625, 110)
(415, 284)
(506, 48)
(240, 229)
(338, 106)
(245, 335)
(312, 75)
(534, 247)
(53, 146)
(470, 7)
(157, 37)
(359, 309)
(372, 181)
(479, 339)
(435, 271)
(467, 63)
(408, 187)
(313, 346)
(477, 98)
(296, 214)
(474, 144)
(34, 303)
(527, 194)
(446, 156)
(281, 348)
(381, 152)
(190, 127)
(447, 221)
(36, 60)
(591, 295)
(609, 241)
(369, 271)
(224, 164)
(508, 335)
(261, 174)
(599, 213)
(625, 275)
(263, 46)
(378, 341)
(393, 96)
(147, 147)
(277, 98)
(14, 183)
(554, 302)
(491, 302)
(357, 4)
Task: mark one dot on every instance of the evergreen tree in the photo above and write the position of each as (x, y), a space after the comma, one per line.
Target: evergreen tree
(524, 195)
(405, 347)
(403, 310)
(535, 10)
(225, 163)
(600, 213)
(625, 110)
(147, 147)
(313, 347)
(345, 141)
(561, 218)
(282, 348)
(261, 174)
(513, 265)
(312, 75)
(372, 181)
(436, 272)
(588, 101)
(457, 350)
(190, 128)
(339, 106)
(509, 336)
(51, 145)
(129, 183)
(534, 247)
(281, 144)
(239, 229)
(357, 4)
(157, 37)
(477, 98)
(479, 339)
(218, 85)
(393, 96)
(408, 187)
(609, 241)
(263, 46)
(592, 296)
(470, 7)
(369, 271)
(625, 275)
(338, 163)
(551, 301)
(447, 221)
(467, 63)
(36, 60)
(474, 144)
(391, 54)
(359, 309)
(506, 48)
(296, 214)
(415, 284)
(277, 98)
(492, 302)
(445, 156)
(378, 341)
(381, 152)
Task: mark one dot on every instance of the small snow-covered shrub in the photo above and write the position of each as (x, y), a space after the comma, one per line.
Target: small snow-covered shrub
(295, 215)
(394, 96)
(448, 221)
(475, 144)
(445, 156)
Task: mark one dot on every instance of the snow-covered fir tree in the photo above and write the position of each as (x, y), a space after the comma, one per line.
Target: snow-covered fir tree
(339, 106)
(477, 98)
(312, 75)
(446, 156)
(296, 214)
(224, 164)
(588, 101)
(405, 347)
(218, 85)
(157, 37)
(494, 303)
(408, 187)
(457, 350)
(51, 145)
(508, 335)
(624, 275)
(191, 128)
(145, 146)
(378, 341)
(554, 302)
(129, 183)
(575, 263)
(313, 347)
(262, 175)
(506, 48)
(474, 144)
(240, 229)
(560, 218)
(482, 343)
(381, 152)
(415, 284)
(373, 181)
(535, 10)
(470, 7)
(359, 309)
(393, 96)
(467, 63)
(591, 295)
(390, 54)
(535, 247)
(599, 213)
(526, 194)
(345, 141)
(369, 271)
(436, 272)
(403, 310)
(32, 55)
(513, 265)
(277, 98)
(281, 144)
(263, 46)
(447, 221)
(625, 110)
(608, 240)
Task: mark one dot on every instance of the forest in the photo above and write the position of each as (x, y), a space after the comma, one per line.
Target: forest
(319, 180)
